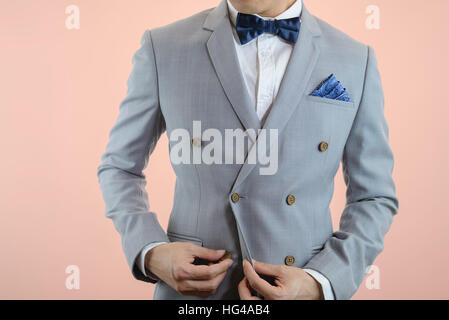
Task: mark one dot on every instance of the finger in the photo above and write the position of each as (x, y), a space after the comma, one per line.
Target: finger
(204, 285)
(267, 269)
(256, 282)
(244, 292)
(206, 272)
(207, 254)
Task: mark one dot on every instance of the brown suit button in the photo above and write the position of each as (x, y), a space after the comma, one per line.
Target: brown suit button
(323, 146)
(227, 255)
(289, 260)
(235, 197)
(291, 199)
(196, 142)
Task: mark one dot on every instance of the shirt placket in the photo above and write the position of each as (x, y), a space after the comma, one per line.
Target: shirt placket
(266, 78)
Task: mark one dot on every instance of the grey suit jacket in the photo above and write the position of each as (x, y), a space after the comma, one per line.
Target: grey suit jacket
(188, 71)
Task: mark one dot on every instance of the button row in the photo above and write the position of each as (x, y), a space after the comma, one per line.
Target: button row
(289, 260)
(291, 199)
(322, 147)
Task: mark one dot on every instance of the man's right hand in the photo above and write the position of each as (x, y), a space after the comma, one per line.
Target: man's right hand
(173, 263)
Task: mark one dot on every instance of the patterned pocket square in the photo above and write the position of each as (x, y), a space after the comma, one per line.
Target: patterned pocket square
(330, 88)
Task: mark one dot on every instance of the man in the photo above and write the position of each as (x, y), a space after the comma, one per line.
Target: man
(258, 66)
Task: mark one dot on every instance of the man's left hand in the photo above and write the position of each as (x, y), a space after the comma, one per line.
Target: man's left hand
(292, 283)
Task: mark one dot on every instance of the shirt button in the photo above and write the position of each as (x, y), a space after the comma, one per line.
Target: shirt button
(323, 146)
(289, 260)
(291, 199)
(235, 197)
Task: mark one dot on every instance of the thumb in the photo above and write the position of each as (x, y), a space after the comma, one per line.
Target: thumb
(266, 269)
(208, 254)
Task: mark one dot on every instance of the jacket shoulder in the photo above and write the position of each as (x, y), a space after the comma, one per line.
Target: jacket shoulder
(337, 39)
(339, 46)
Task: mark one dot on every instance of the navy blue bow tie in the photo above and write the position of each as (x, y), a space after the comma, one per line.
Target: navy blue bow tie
(249, 27)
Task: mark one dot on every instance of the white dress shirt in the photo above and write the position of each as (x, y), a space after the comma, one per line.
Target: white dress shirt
(263, 62)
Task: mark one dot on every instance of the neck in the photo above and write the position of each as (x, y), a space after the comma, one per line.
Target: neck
(277, 8)
(271, 9)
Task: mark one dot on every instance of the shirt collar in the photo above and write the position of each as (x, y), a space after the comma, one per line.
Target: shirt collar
(292, 12)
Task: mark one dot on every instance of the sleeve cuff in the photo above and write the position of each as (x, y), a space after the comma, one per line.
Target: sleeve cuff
(324, 282)
(141, 260)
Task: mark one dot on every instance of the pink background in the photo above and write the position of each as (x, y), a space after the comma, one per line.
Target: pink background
(60, 91)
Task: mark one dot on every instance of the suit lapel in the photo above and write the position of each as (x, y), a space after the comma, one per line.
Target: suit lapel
(302, 62)
(299, 70)
(224, 58)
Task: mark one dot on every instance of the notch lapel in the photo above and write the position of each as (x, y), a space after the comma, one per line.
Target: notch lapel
(299, 70)
(224, 58)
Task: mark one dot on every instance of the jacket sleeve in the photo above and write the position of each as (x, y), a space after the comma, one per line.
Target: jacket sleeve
(371, 202)
(131, 141)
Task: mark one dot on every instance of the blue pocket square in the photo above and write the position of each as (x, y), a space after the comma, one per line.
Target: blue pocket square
(330, 88)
